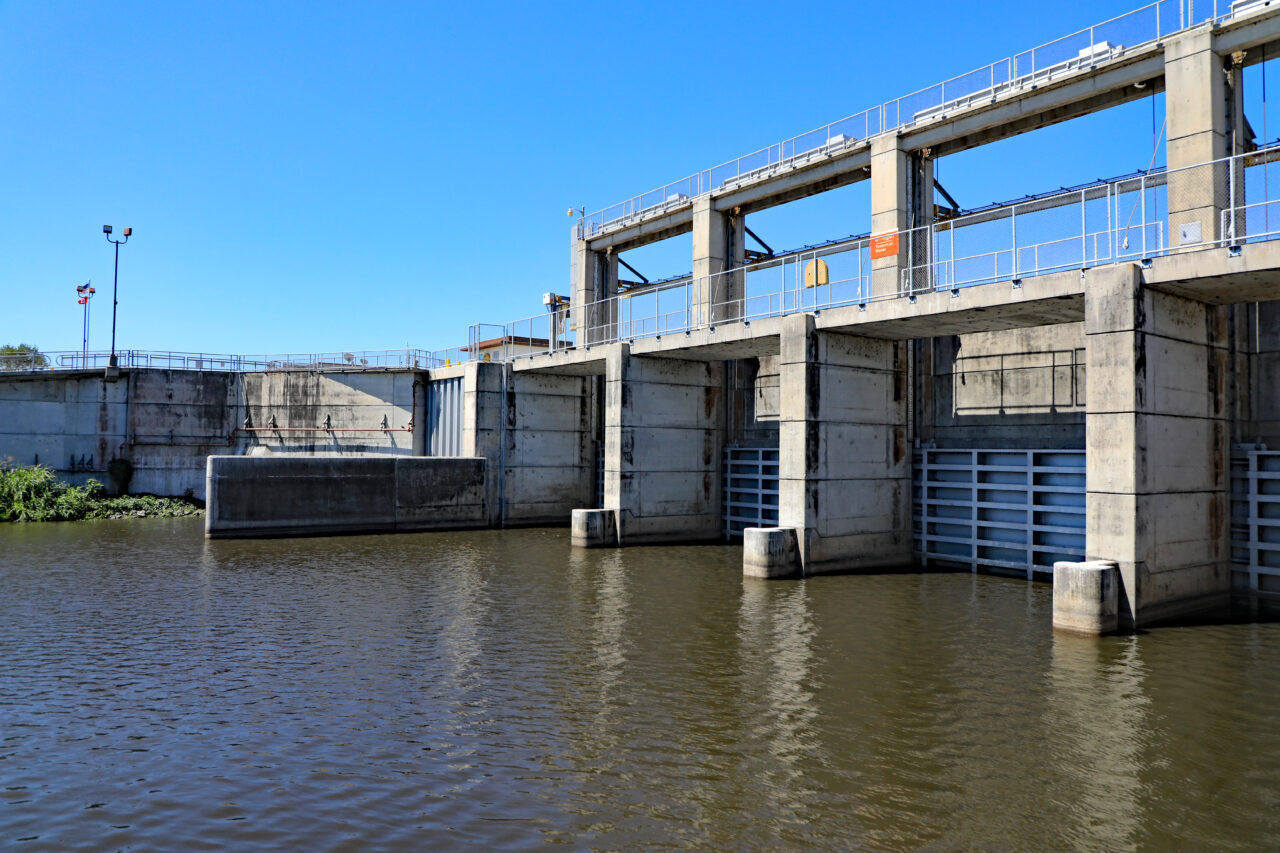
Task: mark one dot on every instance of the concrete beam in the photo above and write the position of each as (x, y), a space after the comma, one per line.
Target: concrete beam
(1068, 97)
(849, 167)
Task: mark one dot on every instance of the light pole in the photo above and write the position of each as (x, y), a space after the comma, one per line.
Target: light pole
(115, 287)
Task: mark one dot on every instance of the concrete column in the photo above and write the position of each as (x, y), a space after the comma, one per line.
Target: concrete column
(421, 379)
(845, 464)
(1197, 103)
(595, 277)
(664, 437)
(901, 199)
(717, 246)
(484, 428)
(1157, 444)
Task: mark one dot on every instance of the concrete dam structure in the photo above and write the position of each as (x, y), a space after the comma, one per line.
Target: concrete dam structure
(1081, 385)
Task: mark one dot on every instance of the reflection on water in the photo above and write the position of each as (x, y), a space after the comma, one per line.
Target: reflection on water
(1100, 714)
(503, 690)
(775, 634)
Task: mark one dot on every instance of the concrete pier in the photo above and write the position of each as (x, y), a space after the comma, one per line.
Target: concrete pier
(845, 463)
(1157, 446)
(664, 435)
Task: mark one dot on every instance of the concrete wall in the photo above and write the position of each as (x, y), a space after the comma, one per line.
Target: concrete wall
(753, 401)
(1020, 388)
(282, 495)
(165, 422)
(59, 420)
(355, 404)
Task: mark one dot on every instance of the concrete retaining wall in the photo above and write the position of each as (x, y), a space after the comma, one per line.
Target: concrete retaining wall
(355, 405)
(1016, 389)
(287, 496)
(166, 422)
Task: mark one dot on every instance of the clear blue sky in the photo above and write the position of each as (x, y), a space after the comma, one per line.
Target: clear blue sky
(336, 176)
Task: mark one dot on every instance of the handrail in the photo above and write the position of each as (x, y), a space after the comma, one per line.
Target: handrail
(1169, 17)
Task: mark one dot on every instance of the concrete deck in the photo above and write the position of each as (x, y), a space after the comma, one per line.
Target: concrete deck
(1216, 275)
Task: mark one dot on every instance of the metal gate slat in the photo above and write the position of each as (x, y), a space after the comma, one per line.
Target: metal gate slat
(943, 479)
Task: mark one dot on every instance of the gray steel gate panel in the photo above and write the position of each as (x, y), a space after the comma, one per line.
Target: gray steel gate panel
(444, 417)
(1255, 521)
(750, 489)
(1017, 510)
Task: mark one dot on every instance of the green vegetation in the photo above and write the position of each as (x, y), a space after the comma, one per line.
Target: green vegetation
(35, 494)
(22, 355)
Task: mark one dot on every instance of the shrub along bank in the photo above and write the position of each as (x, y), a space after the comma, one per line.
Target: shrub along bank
(35, 494)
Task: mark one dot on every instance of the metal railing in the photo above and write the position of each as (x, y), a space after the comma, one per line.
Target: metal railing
(169, 360)
(1135, 218)
(1226, 202)
(1082, 49)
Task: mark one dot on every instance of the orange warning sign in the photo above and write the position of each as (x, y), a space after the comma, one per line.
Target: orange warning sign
(884, 246)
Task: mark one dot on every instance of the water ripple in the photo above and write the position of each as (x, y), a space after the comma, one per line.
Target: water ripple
(502, 691)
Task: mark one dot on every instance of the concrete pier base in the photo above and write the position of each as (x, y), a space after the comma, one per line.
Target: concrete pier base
(594, 528)
(771, 552)
(1086, 597)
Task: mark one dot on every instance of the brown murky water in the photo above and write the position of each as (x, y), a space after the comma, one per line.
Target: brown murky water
(500, 690)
